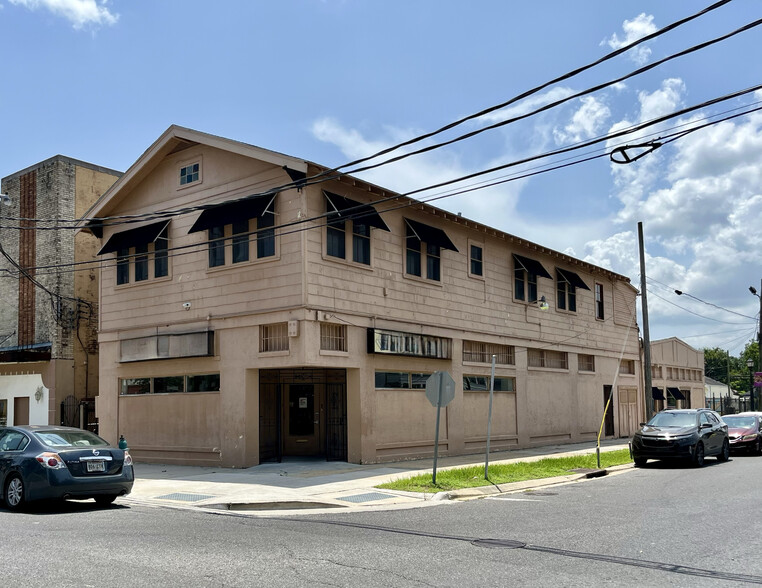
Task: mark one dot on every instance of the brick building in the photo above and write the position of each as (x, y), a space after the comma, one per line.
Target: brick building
(48, 315)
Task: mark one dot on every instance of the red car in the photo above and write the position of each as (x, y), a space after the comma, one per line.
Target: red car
(744, 432)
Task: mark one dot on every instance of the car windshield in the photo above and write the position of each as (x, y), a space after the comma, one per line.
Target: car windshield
(738, 421)
(673, 419)
(70, 439)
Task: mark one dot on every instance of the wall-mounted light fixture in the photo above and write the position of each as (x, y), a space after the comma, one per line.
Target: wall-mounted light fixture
(186, 305)
(543, 303)
(38, 393)
(5, 199)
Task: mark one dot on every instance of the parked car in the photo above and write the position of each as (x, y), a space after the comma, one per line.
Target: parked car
(39, 462)
(691, 433)
(744, 431)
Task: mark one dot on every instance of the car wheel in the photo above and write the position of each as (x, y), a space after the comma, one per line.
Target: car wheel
(14, 492)
(725, 453)
(105, 499)
(640, 462)
(698, 455)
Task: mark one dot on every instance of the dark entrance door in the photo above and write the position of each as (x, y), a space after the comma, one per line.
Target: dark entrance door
(302, 412)
(608, 422)
(21, 410)
(301, 419)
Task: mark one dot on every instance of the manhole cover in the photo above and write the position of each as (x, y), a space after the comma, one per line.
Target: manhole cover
(184, 497)
(498, 543)
(367, 497)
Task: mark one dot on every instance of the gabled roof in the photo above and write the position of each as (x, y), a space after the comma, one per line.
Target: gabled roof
(675, 339)
(177, 138)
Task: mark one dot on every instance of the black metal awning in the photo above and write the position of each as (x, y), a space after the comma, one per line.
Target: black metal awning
(531, 266)
(134, 237)
(571, 278)
(657, 393)
(353, 210)
(226, 214)
(676, 393)
(431, 235)
(26, 353)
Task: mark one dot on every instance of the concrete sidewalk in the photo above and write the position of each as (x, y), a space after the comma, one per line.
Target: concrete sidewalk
(299, 485)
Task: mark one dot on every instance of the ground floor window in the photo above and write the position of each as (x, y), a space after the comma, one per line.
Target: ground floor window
(3, 413)
(170, 384)
(405, 380)
(481, 383)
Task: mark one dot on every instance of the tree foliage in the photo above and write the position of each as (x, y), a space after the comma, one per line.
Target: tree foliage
(722, 367)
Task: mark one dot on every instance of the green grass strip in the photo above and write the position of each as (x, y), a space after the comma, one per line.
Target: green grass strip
(473, 476)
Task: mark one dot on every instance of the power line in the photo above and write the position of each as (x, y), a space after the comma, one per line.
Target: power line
(681, 293)
(322, 217)
(691, 312)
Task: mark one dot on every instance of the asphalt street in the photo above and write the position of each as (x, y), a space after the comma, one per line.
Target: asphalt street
(662, 525)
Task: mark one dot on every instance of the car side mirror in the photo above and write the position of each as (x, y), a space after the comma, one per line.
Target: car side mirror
(642, 424)
(706, 425)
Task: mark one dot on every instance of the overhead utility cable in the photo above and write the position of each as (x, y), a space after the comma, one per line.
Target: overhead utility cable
(330, 174)
(600, 139)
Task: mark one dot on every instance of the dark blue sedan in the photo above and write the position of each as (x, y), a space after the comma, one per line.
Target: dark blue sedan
(42, 462)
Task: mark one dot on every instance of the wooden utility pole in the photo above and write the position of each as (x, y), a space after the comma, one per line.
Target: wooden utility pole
(646, 336)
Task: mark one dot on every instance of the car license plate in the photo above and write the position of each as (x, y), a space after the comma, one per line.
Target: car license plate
(96, 466)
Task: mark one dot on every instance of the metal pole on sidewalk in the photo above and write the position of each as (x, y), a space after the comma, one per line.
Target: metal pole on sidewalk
(489, 417)
(436, 435)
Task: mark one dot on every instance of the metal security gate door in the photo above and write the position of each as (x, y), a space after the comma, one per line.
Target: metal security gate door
(303, 412)
(336, 422)
(269, 422)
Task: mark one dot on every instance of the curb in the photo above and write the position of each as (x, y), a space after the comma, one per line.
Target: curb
(468, 493)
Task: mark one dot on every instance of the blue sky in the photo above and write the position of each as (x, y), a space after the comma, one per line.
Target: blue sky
(333, 80)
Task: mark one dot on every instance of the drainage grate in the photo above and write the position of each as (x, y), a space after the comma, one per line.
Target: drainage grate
(366, 497)
(184, 497)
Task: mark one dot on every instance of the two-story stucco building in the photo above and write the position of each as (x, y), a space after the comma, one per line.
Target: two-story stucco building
(677, 374)
(249, 314)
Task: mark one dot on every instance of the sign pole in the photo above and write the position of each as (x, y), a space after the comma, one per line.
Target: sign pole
(489, 418)
(436, 434)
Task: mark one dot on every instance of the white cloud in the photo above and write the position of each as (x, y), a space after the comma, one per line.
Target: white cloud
(586, 122)
(634, 29)
(528, 104)
(80, 13)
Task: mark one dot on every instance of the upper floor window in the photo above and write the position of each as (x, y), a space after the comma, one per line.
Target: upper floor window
(567, 283)
(476, 265)
(136, 249)
(239, 231)
(190, 173)
(599, 314)
(525, 274)
(349, 227)
(416, 235)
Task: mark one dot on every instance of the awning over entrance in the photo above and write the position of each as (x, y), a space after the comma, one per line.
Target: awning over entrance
(676, 393)
(226, 214)
(657, 393)
(571, 278)
(531, 266)
(431, 235)
(353, 210)
(134, 237)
